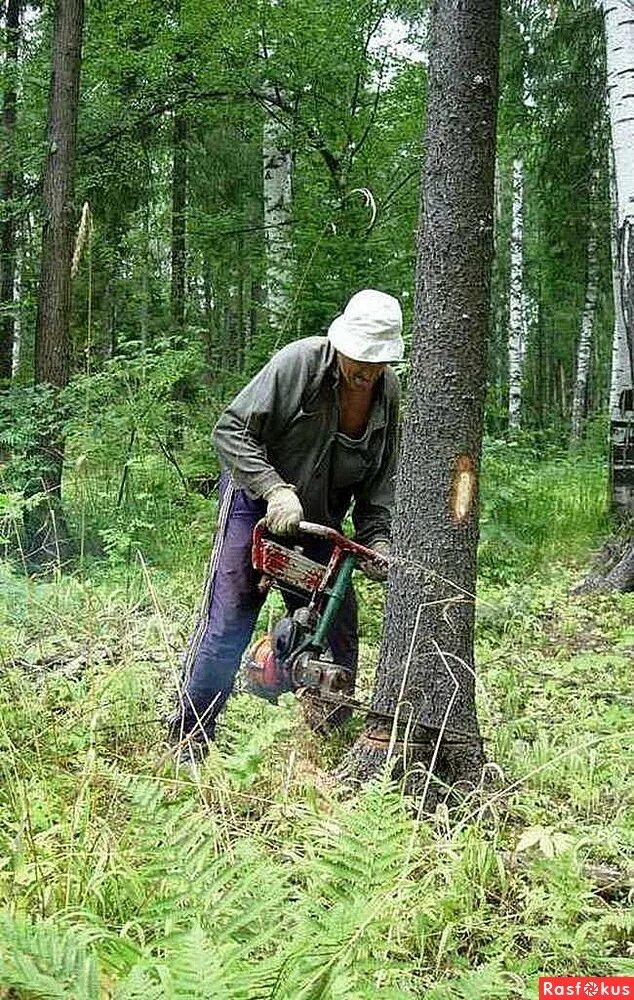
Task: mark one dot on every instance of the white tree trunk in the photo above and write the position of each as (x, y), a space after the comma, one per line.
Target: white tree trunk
(584, 346)
(277, 166)
(17, 324)
(620, 354)
(619, 37)
(516, 345)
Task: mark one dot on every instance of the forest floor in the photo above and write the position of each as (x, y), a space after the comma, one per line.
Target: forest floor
(121, 878)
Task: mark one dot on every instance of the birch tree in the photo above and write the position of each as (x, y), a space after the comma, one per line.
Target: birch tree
(516, 340)
(584, 346)
(277, 172)
(619, 36)
(277, 168)
(619, 39)
(426, 662)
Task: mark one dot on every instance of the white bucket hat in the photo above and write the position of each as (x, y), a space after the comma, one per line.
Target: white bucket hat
(369, 329)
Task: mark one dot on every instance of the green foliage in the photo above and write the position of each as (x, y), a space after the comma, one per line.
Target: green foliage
(124, 878)
(46, 961)
(27, 416)
(539, 504)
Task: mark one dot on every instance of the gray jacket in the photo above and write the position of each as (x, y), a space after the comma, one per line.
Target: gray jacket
(283, 428)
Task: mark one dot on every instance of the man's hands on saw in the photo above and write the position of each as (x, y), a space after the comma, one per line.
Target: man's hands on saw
(283, 510)
(377, 570)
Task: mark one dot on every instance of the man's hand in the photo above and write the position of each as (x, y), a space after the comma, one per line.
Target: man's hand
(283, 510)
(377, 570)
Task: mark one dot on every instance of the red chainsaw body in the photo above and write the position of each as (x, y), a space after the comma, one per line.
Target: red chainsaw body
(291, 657)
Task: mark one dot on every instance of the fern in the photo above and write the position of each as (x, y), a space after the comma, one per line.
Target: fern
(356, 887)
(139, 984)
(361, 851)
(488, 980)
(46, 961)
(196, 967)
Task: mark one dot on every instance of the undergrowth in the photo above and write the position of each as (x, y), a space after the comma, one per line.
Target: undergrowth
(122, 878)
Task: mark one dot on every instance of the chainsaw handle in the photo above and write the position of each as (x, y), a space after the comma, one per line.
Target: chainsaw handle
(345, 544)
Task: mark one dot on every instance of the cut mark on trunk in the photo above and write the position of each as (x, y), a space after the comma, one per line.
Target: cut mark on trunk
(463, 488)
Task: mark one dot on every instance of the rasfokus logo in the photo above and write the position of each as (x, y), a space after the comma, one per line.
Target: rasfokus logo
(586, 986)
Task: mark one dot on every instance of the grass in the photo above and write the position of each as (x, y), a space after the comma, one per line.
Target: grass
(535, 512)
(120, 878)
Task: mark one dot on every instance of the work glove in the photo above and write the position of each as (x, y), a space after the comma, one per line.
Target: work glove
(376, 571)
(283, 510)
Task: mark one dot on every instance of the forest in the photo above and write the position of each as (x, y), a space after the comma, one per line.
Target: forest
(191, 195)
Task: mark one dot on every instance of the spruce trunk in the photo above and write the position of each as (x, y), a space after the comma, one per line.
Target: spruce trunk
(46, 535)
(7, 193)
(426, 663)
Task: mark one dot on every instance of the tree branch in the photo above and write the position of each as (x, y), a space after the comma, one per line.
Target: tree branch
(157, 111)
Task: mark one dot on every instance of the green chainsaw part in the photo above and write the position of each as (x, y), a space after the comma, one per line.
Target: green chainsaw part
(335, 601)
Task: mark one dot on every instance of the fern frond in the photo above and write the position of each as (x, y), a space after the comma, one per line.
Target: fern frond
(45, 961)
(199, 968)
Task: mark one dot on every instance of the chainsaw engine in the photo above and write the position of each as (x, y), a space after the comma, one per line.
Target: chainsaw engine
(296, 654)
(283, 661)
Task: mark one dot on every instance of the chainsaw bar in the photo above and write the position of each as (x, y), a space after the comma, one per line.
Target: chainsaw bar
(344, 701)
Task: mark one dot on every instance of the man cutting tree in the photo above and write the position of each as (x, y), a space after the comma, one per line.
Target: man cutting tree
(312, 434)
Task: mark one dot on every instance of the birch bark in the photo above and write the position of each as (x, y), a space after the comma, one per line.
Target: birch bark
(584, 346)
(619, 39)
(516, 300)
(277, 177)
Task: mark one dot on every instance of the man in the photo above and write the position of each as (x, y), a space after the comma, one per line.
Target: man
(313, 432)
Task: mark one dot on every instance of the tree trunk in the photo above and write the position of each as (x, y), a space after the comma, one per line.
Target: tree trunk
(45, 531)
(144, 310)
(180, 388)
(584, 347)
(179, 223)
(426, 663)
(277, 174)
(619, 35)
(16, 354)
(53, 313)
(498, 353)
(516, 303)
(7, 192)
(211, 327)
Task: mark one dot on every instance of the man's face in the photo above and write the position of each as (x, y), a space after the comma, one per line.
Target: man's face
(359, 374)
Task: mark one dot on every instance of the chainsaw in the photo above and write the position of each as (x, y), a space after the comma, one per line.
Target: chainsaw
(295, 656)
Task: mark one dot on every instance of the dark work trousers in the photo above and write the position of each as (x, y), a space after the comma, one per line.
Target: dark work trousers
(230, 609)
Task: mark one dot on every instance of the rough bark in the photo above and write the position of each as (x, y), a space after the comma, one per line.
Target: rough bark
(426, 663)
(516, 303)
(7, 193)
(46, 536)
(53, 313)
(613, 569)
(584, 346)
